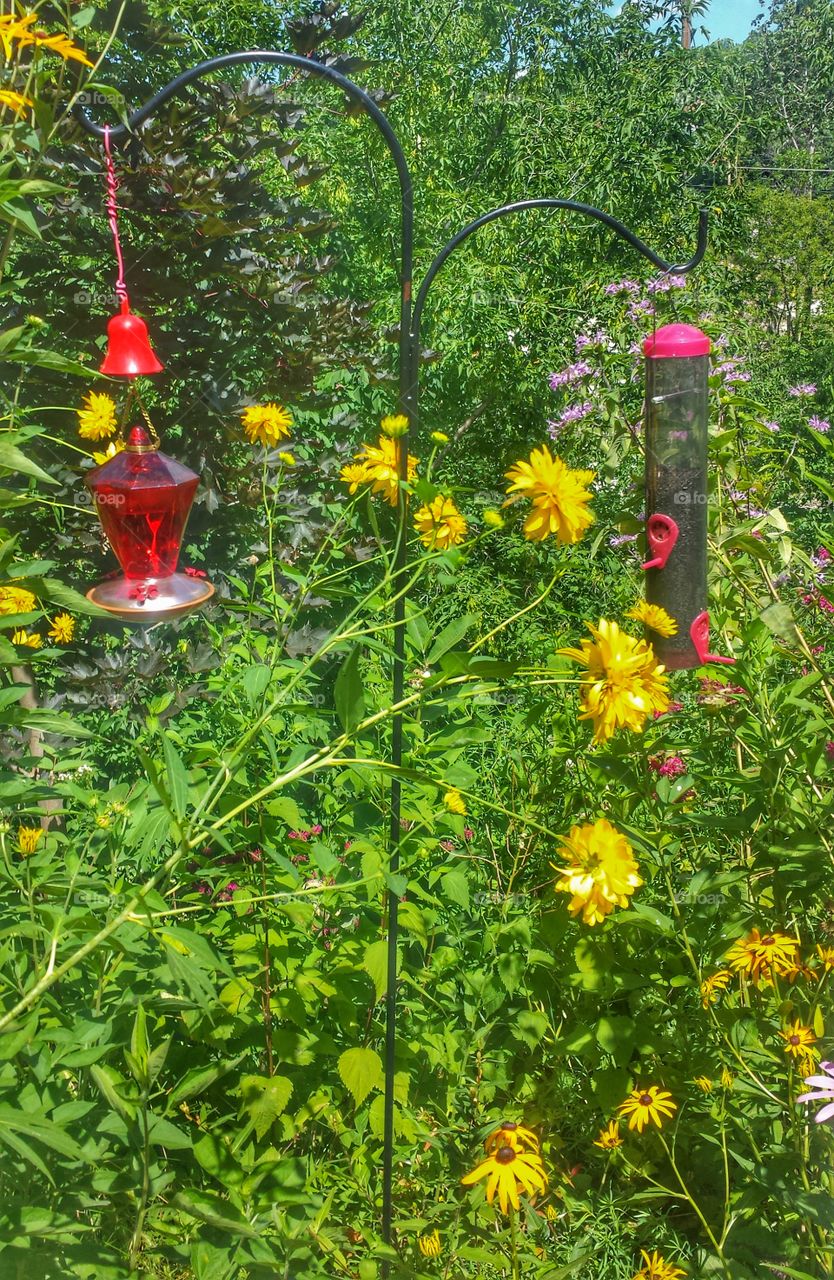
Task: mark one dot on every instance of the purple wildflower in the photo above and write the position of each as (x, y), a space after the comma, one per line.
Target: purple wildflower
(619, 539)
(725, 367)
(738, 377)
(575, 412)
(802, 389)
(590, 340)
(829, 751)
(665, 283)
(822, 1091)
(641, 310)
(567, 377)
(771, 426)
(819, 424)
(622, 286)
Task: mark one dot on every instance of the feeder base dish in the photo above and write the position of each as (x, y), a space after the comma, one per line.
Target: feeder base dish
(147, 600)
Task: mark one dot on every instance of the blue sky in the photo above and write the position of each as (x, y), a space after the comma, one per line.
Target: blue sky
(732, 18)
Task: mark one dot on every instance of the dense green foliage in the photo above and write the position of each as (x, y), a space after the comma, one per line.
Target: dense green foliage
(195, 869)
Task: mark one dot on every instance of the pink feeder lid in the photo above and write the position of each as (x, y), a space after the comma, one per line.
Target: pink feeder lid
(681, 340)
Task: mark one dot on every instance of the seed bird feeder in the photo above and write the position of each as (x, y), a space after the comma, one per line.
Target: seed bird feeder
(676, 417)
(143, 497)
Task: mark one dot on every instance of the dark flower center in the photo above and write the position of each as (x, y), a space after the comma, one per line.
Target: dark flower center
(509, 1125)
(768, 941)
(645, 1099)
(794, 1039)
(506, 1155)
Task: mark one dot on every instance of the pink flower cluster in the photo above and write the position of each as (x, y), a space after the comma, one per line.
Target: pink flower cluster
(671, 767)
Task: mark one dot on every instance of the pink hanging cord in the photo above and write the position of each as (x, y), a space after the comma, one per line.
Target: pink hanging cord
(113, 218)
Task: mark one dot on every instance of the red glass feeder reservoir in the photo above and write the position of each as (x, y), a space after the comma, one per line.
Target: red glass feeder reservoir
(143, 499)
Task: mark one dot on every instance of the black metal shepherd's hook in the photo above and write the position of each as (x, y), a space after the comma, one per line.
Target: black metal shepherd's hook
(409, 348)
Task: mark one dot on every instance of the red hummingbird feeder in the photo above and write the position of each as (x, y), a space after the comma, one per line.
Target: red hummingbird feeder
(143, 497)
(677, 414)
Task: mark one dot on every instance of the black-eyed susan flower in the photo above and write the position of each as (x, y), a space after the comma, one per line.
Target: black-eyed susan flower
(429, 1244)
(511, 1134)
(266, 424)
(16, 102)
(798, 1039)
(440, 524)
(28, 839)
(509, 1171)
(623, 684)
(825, 955)
(27, 639)
(97, 416)
(394, 425)
(601, 871)
(655, 617)
(711, 987)
(656, 1267)
(454, 801)
(759, 956)
(16, 600)
(18, 30)
(647, 1106)
(376, 465)
(609, 1138)
(560, 497)
(62, 629)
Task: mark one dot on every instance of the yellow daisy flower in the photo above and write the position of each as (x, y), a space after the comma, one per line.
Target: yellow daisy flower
(758, 956)
(624, 684)
(394, 425)
(97, 417)
(609, 1137)
(429, 1245)
(712, 986)
(266, 424)
(655, 617)
(16, 102)
(493, 519)
(13, 28)
(509, 1171)
(114, 447)
(601, 873)
(454, 801)
(439, 437)
(288, 459)
(28, 839)
(16, 600)
(62, 629)
(376, 465)
(510, 1134)
(826, 957)
(644, 1106)
(30, 639)
(560, 496)
(798, 1040)
(657, 1268)
(440, 524)
(703, 1083)
(727, 1078)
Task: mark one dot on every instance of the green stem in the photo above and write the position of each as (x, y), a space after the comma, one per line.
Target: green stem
(514, 1245)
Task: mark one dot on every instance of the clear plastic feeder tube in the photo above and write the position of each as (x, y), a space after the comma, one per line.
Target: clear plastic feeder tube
(676, 417)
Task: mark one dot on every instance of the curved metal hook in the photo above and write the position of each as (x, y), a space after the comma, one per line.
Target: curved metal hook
(588, 210)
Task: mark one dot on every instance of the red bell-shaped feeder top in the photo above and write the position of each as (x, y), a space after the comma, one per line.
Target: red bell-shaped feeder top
(129, 350)
(143, 500)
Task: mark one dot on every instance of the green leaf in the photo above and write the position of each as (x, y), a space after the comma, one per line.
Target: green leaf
(375, 964)
(198, 1079)
(215, 1211)
(265, 1098)
(616, 1034)
(67, 597)
(348, 693)
(361, 1071)
(449, 637)
(177, 777)
(456, 888)
(14, 459)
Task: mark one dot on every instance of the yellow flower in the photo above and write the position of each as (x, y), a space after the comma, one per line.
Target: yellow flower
(602, 872)
(655, 617)
(657, 1268)
(62, 629)
(288, 459)
(560, 496)
(430, 1245)
(624, 684)
(395, 424)
(376, 465)
(16, 102)
(266, 423)
(510, 1134)
(798, 1040)
(30, 639)
(712, 986)
(509, 1171)
(826, 956)
(494, 519)
(609, 1137)
(97, 418)
(16, 600)
(28, 839)
(727, 1078)
(703, 1083)
(19, 29)
(440, 524)
(643, 1106)
(761, 956)
(454, 801)
(114, 447)
(439, 437)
